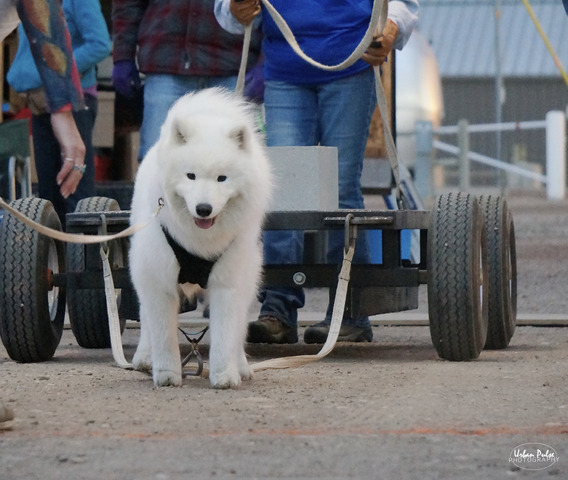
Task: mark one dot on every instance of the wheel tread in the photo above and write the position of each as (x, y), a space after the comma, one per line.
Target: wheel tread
(27, 331)
(451, 244)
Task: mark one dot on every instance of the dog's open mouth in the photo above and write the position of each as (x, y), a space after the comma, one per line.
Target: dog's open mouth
(204, 223)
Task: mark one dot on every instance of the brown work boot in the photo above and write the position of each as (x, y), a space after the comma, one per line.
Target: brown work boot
(347, 333)
(268, 329)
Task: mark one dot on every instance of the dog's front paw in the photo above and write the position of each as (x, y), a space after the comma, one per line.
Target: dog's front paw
(229, 378)
(141, 362)
(245, 370)
(167, 378)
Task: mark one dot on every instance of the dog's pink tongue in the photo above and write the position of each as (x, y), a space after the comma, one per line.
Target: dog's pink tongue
(204, 222)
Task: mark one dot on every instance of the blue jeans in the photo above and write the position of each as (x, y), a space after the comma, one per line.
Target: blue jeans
(336, 114)
(160, 93)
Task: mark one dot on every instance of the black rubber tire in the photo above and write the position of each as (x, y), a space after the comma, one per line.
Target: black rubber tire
(87, 307)
(32, 310)
(457, 277)
(502, 271)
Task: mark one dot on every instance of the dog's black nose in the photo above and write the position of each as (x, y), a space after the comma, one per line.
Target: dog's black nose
(203, 209)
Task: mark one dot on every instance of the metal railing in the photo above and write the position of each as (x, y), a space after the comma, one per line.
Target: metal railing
(427, 142)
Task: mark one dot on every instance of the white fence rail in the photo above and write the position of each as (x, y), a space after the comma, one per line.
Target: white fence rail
(426, 144)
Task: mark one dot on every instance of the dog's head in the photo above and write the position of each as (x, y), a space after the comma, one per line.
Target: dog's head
(211, 158)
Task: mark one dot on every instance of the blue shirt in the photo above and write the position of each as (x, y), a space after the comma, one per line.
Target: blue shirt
(326, 31)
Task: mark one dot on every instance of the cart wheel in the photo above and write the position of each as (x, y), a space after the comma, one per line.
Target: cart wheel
(502, 271)
(457, 277)
(32, 309)
(87, 307)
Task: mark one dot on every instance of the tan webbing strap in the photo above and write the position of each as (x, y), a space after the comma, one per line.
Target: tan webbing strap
(113, 318)
(336, 319)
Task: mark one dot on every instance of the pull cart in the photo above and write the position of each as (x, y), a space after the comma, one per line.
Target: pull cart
(466, 258)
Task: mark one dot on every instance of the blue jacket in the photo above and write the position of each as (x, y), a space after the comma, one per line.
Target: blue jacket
(90, 40)
(328, 31)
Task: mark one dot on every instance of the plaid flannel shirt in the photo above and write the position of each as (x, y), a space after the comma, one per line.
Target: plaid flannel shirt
(178, 37)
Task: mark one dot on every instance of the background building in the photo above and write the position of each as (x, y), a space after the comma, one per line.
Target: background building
(463, 35)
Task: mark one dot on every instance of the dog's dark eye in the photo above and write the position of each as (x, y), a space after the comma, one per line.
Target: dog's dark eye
(191, 176)
(221, 178)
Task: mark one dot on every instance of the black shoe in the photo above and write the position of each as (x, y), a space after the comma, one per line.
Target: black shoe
(347, 333)
(268, 329)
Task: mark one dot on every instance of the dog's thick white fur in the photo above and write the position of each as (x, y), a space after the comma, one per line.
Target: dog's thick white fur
(211, 171)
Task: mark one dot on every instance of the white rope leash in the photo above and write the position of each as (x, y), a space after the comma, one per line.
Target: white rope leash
(389, 140)
(72, 237)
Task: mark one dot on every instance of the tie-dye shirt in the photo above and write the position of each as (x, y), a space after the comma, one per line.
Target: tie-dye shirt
(46, 29)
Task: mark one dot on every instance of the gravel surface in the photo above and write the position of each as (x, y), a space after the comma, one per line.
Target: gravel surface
(390, 409)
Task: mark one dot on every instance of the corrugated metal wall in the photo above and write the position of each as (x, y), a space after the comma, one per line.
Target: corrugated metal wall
(462, 34)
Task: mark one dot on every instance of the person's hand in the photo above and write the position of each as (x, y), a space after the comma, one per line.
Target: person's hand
(126, 78)
(381, 45)
(245, 10)
(72, 152)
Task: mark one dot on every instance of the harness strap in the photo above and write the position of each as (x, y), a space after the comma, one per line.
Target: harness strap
(192, 269)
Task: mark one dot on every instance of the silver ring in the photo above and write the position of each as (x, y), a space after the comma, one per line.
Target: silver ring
(80, 168)
(68, 159)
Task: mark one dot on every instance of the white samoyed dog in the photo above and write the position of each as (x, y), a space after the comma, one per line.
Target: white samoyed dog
(210, 170)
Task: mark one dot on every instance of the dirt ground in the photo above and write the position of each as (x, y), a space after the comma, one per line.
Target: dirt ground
(390, 409)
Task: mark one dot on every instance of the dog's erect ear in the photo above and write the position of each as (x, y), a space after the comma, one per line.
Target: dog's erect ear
(239, 135)
(178, 136)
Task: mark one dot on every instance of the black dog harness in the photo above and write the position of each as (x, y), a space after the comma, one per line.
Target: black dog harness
(192, 269)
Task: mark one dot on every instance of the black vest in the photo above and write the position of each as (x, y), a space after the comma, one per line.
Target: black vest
(192, 269)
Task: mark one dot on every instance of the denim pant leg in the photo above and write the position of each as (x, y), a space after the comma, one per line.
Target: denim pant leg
(161, 92)
(291, 120)
(282, 247)
(48, 162)
(346, 108)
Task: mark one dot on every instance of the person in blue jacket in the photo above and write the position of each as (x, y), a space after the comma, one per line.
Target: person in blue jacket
(306, 105)
(90, 43)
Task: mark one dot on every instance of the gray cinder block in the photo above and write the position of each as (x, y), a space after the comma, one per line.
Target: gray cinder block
(305, 178)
